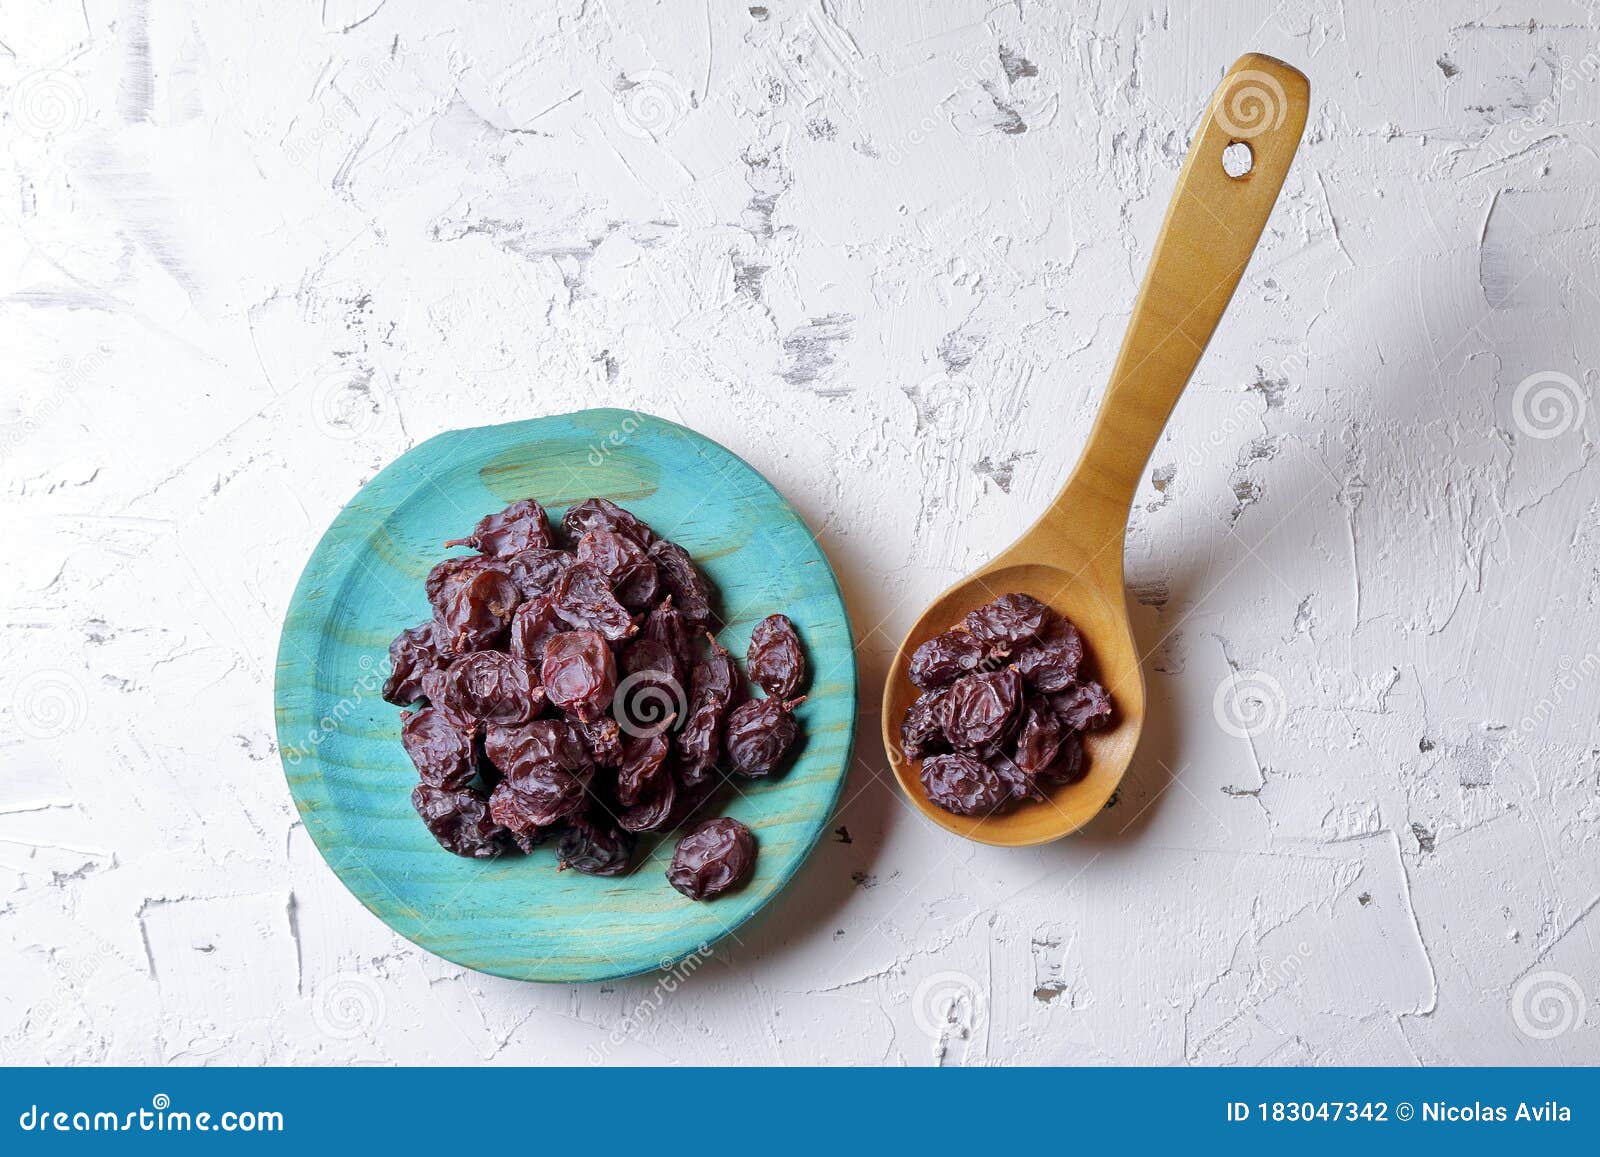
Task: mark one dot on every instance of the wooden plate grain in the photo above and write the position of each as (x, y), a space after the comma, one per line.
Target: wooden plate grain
(351, 781)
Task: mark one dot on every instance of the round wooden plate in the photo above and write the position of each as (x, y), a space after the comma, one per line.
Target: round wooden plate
(517, 916)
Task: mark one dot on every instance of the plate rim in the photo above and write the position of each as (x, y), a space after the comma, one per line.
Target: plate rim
(324, 563)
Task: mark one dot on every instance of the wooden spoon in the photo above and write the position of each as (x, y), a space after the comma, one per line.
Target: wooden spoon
(1071, 558)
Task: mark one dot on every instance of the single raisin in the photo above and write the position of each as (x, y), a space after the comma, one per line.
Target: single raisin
(982, 708)
(603, 514)
(411, 656)
(964, 785)
(493, 687)
(473, 610)
(459, 820)
(1084, 706)
(760, 734)
(683, 581)
(445, 753)
(922, 729)
(579, 673)
(1009, 621)
(714, 690)
(716, 857)
(583, 599)
(595, 847)
(1050, 662)
(775, 660)
(521, 526)
(945, 658)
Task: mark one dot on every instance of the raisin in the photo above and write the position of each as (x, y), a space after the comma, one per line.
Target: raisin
(713, 692)
(444, 752)
(1050, 662)
(1009, 621)
(595, 847)
(411, 656)
(982, 708)
(583, 599)
(945, 658)
(474, 609)
(532, 626)
(760, 734)
(964, 785)
(491, 686)
(683, 581)
(665, 625)
(625, 564)
(550, 741)
(716, 857)
(1084, 706)
(603, 514)
(1070, 764)
(775, 661)
(580, 674)
(644, 761)
(1039, 740)
(521, 526)
(603, 738)
(535, 571)
(459, 820)
(922, 729)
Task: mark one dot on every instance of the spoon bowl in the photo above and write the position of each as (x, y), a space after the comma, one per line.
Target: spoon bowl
(1071, 559)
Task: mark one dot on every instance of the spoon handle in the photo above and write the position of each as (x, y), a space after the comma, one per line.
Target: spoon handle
(1209, 234)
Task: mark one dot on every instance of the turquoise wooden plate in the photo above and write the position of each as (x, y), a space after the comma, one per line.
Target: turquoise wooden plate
(517, 916)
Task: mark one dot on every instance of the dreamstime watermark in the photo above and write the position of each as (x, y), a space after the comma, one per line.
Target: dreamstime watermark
(1547, 404)
(1255, 103)
(63, 995)
(366, 685)
(349, 403)
(1248, 704)
(47, 103)
(348, 1005)
(363, 78)
(649, 702)
(48, 704)
(617, 438)
(635, 1020)
(1547, 1004)
(71, 376)
(159, 1117)
(1570, 677)
(649, 105)
(948, 1004)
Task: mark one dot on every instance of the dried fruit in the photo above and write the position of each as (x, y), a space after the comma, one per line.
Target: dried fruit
(1008, 621)
(532, 627)
(1015, 731)
(491, 686)
(760, 734)
(982, 709)
(964, 785)
(945, 658)
(444, 752)
(520, 526)
(716, 857)
(775, 661)
(1084, 706)
(459, 820)
(595, 847)
(411, 656)
(583, 599)
(580, 674)
(922, 729)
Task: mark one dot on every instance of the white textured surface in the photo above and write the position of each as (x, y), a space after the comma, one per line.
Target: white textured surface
(251, 256)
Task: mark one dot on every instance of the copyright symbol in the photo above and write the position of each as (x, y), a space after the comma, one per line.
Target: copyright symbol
(1404, 1110)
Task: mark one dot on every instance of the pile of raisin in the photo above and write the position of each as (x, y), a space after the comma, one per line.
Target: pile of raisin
(569, 687)
(1004, 705)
